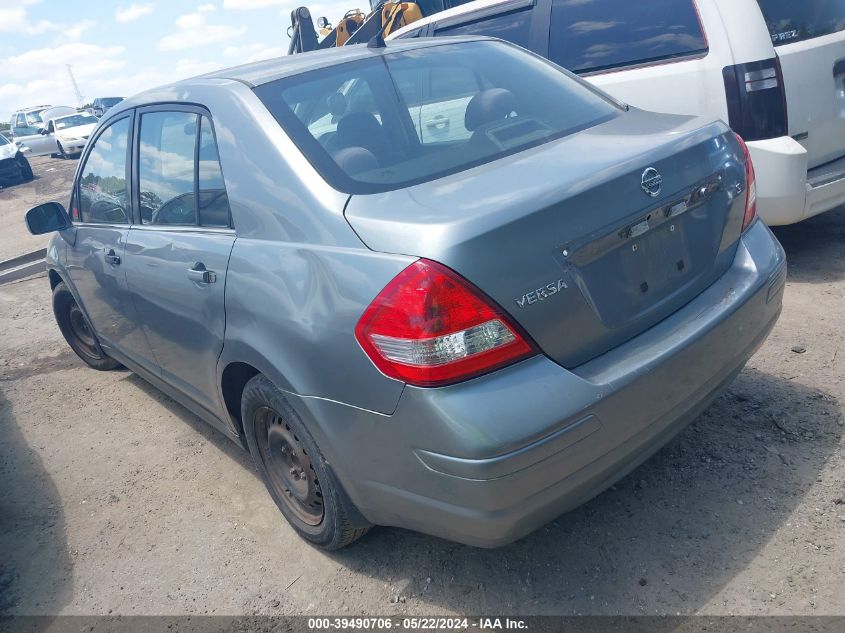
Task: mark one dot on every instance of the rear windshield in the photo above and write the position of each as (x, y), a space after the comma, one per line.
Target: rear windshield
(403, 118)
(594, 35)
(795, 20)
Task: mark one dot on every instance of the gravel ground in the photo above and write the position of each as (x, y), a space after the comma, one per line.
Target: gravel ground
(53, 178)
(115, 499)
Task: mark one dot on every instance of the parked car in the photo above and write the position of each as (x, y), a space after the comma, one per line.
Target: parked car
(27, 122)
(774, 69)
(462, 337)
(35, 134)
(70, 132)
(101, 105)
(14, 167)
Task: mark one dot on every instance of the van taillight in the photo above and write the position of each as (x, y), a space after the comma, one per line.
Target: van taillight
(756, 100)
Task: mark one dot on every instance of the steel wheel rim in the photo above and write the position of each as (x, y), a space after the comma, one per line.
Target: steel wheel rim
(288, 467)
(82, 331)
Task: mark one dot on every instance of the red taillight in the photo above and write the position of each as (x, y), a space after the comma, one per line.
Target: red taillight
(429, 327)
(750, 186)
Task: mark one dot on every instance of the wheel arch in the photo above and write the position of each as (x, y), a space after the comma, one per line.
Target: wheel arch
(233, 380)
(55, 278)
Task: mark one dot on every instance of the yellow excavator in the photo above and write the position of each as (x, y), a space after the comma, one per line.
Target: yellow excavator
(354, 28)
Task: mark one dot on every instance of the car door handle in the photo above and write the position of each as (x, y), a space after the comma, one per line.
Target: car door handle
(440, 122)
(200, 274)
(112, 258)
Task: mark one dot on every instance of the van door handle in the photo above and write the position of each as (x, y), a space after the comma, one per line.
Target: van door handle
(200, 274)
(112, 258)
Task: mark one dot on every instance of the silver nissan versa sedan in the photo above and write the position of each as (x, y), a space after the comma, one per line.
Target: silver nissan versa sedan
(442, 284)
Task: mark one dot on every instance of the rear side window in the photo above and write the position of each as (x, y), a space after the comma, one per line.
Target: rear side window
(166, 168)
(179, 177)
(429, 112)
(102, 185)
(796, 20)
(514, 27)
(603, 34)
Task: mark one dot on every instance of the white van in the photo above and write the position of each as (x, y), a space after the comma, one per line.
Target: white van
(774, 69)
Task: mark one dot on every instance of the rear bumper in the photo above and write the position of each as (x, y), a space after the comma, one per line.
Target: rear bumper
(488, 461)
(786, 191)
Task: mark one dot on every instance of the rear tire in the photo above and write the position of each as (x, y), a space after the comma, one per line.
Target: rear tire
(294, 471)
(78, 332)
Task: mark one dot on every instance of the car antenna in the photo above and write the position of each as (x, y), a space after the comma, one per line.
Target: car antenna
(377, 40)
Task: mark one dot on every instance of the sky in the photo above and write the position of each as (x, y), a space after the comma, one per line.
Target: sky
(119, 48)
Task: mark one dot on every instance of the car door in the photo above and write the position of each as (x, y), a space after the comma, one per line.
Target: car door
(178, 251)
(100, 212)
(28, 134)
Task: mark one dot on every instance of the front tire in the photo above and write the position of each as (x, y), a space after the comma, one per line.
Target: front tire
(293, 469)
(78, 332)
(26, 168)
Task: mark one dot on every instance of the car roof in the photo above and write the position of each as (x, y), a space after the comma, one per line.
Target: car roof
(258, 73)
(32, 108)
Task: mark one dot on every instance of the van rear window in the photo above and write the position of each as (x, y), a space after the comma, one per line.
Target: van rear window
(603, 34)
(790, 21)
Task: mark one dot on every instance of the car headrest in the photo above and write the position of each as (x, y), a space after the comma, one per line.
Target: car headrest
(488, 106)
(337, 104)
(360, 129)
(355, 160)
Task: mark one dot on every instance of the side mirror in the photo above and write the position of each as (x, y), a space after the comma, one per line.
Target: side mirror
(323, 22)
(43, 132)
(46, 218)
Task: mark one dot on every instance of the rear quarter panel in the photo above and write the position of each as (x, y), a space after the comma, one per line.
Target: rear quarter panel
(298, 278)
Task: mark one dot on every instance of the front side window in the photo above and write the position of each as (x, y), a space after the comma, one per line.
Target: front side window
(790, 21)
(514, 27)
(102, 183)
(180, 181)
(604, 34)
(430, 112)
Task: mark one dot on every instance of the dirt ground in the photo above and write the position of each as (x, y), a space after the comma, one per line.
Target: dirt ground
(114, 499)
(53, 178)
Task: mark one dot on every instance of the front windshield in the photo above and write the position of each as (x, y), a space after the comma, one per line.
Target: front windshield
(407, 117)
(75, 120)
(108, 102)
(34, 117)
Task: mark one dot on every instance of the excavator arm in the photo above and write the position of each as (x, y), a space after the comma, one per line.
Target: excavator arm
(353, 28)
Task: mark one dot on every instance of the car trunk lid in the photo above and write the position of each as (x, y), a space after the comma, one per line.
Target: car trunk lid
(565, 236)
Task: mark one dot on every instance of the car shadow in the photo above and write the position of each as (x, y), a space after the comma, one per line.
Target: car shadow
(664, 540)
(815, 248)
(35, 564)
(208, 432)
